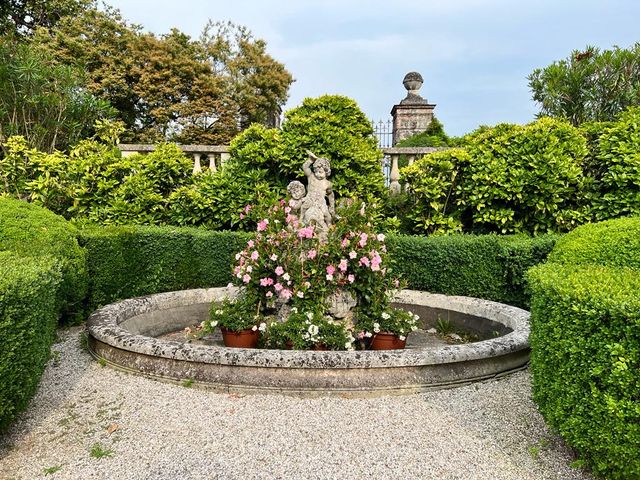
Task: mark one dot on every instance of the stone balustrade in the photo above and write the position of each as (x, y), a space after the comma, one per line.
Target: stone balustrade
(392, 156)
(215, 155)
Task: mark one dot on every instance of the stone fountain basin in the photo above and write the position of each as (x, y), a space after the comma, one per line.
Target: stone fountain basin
(123, 334)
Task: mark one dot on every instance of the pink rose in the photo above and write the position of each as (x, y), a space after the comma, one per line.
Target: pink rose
(364, 261)
(286, 294)
(351, 278)
(254, 255)
(250, 243)
(246, 278)
(331, 269)
(279, 270)
(311, 254)
(269, 294)
(345, 242)
(300, 294)
(306, 232)
(262, 225)
(352, 254)
(363, 240)
(265, 282)
(278, 287)
(287, 209)
(381, 237)
(343, 265)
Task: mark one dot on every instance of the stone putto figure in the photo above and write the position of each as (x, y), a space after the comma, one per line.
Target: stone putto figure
(317, 208)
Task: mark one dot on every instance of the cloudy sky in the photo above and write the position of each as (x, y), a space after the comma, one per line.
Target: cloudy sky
(474, 55)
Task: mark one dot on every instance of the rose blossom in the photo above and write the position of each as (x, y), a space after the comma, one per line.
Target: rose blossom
(306, 232)
(246, 278)
(285, 293)
(311, 254)
(265, 282)
(364, 261)
(381, 237)
(279, 270)
(352, 254)
(351, 278)
(286, 278)
(345, 242)
(331, 269)
(343, 265)
(287, 209)
(269, 294)
(278, 287)
(300, 294)
(363, 239)
(250, 243)
(273, 257)
(262, 225)
(329, 277)
(254, 255)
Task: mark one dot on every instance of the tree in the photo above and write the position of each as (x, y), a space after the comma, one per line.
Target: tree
(588, 86)
(42, 101)
(171, 87)
(22, 17)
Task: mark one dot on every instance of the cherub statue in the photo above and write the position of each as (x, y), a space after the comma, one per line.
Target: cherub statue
(297, 192)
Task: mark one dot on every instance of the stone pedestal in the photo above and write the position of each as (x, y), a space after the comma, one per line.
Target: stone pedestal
(413, 114)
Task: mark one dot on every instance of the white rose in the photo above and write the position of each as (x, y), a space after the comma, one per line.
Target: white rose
(313, 329)
(310, 315)
(249, 268)
(386, 316)
(254, 328)
(367, 334)
(376, 328)
(294, 309)
(262, 327)
(213, 324)
(402, 337)
(286, 277)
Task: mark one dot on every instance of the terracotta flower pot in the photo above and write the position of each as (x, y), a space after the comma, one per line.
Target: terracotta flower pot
(243, 339)
(387, 341)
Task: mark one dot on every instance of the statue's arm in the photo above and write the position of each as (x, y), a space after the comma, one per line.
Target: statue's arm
(306, 167)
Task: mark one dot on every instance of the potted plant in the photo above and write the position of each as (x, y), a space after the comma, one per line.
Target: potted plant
(238, 321)
(309, 331)
(390, 330)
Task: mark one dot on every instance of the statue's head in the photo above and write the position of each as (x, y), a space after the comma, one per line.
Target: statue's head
(321, 168)
(296, 190)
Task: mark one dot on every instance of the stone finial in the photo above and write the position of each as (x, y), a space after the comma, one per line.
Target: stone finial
(412, 82)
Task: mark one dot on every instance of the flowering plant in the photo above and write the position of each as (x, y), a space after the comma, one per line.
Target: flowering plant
(234, 314)
(392, 320)
(291, 267)
(307, 330)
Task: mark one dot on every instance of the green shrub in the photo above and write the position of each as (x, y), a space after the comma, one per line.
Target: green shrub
(433, 136)
(525, 178)
(131, 261)
(483, 266)
(585, 340)
(28, 316)
(434, 181)
(614, 243)
(614, 169)
(330, 126)
(32, 231)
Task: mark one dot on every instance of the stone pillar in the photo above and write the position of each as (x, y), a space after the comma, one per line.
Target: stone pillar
(413, 114)
(224, 156)
(197, 168)
(212, 162)
(394, 175)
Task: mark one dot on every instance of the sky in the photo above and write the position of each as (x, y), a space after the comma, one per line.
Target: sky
(474, 55)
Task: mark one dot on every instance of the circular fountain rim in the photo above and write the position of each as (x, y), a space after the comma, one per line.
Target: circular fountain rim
(104, 326)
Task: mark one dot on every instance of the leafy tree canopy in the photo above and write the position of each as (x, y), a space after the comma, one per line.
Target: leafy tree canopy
(171, 87)
(22, 17)
(591, 85)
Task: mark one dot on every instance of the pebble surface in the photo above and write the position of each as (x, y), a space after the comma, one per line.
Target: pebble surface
(155, 430)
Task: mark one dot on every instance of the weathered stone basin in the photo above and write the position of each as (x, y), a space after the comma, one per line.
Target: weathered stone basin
(124, 335)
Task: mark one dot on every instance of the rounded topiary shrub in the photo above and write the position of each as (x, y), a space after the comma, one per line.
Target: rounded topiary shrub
(585, 341)
(32, 231)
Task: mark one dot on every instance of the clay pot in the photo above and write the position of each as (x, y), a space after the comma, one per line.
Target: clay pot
(387, 341)
(243, 339)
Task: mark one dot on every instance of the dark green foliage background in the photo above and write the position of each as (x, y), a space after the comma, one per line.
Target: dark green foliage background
(585, 340)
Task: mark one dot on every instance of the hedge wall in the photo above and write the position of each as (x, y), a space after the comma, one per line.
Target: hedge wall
(585, 340)
(483, 266)
(28, 316)
(126, 262)
(32, 231)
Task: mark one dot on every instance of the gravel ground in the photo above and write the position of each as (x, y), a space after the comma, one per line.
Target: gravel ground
(483, 431)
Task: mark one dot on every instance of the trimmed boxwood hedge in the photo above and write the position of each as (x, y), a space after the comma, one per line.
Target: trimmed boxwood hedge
(125, 262)
(484, 266)
(585, 340)
(132, 261)
(32, 231)
(28, 317)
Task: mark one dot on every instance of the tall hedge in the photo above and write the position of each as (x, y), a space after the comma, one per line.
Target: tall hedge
(483, 266)
(585, 340)
(32, 231)
(28, 318)
(131, 261)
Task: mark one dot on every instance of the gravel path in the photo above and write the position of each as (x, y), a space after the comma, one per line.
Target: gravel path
(485, 431)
